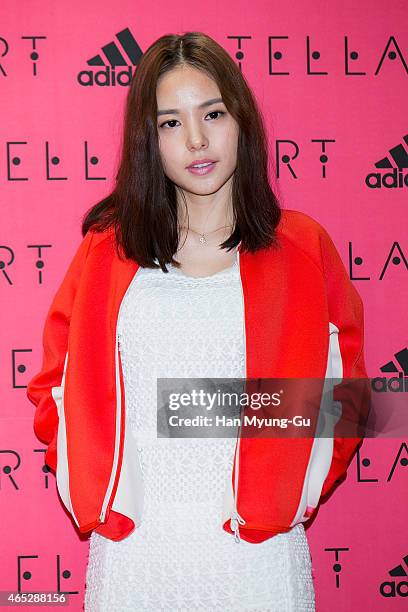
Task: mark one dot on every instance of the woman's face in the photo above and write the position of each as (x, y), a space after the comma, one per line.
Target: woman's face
(188, 132)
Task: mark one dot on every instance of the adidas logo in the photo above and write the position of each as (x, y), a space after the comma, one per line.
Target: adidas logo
(398, 161)
(391, 588)
(124, 51)
(402, 359)
(394, 384)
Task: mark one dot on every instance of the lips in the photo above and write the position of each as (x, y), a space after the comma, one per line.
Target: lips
(201, 161)
(202, 170)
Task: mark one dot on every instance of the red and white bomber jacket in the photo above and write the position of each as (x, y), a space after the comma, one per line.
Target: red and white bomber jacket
(303, 318)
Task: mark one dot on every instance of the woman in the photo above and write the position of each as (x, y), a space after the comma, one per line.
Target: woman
(190, 269)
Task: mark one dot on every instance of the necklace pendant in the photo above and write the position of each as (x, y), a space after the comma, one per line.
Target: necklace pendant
(202, 239)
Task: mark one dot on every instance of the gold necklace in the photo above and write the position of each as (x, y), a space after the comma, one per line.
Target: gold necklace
(202, 238)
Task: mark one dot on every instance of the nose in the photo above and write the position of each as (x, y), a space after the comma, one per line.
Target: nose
(196, 138)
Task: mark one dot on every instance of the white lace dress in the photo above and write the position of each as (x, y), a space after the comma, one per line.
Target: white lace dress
(180, 557)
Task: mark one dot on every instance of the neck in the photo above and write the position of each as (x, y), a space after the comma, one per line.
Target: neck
(205, 216)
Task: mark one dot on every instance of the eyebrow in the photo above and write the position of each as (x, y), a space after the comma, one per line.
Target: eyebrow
(175, 111)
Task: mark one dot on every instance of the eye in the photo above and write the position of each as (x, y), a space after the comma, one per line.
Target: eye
(219, 112)
(170, 121)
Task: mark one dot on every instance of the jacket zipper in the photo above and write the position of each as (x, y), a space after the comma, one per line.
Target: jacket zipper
(236, 519)
(118, 413)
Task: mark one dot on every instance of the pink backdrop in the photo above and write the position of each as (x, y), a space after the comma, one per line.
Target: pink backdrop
(331, 78)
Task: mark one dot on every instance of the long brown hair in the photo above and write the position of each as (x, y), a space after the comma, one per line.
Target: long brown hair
(142, 208)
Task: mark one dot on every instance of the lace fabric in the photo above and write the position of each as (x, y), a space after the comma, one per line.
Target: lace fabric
(180, 558)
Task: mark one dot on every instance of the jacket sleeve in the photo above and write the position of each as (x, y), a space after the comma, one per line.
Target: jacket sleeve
(55, 342)
(346, 312)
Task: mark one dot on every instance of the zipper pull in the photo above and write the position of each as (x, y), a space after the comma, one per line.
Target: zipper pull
(235, 521)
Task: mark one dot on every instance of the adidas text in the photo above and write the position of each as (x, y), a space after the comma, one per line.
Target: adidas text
(106, 77)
